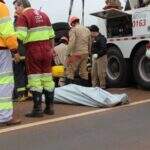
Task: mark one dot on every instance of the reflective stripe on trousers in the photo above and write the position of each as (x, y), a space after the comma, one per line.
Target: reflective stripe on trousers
(40, 82)
(6, 86)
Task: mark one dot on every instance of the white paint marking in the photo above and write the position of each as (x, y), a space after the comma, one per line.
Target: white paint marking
(67, 117)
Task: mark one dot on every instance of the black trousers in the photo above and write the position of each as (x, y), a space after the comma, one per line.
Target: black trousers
(20, 78)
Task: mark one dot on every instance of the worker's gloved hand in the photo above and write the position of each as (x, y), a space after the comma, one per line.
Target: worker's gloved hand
(94, 56)
(17, 58)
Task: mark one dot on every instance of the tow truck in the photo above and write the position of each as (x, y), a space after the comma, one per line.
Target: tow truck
(128, 38)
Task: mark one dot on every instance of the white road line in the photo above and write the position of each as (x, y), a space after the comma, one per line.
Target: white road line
(68, 117)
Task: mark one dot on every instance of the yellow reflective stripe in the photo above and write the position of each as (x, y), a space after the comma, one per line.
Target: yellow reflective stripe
(34, 34)
(31, 76)
(51, 33)
(6, 79)
(21, 89)
(47, 82)
(6, 28)
(4, 20)
(34, 82)
(47, 77)
(22, 33)
(6, 105)
(22, 57)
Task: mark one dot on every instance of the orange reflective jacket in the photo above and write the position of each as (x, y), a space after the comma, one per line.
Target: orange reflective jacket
(8, 37)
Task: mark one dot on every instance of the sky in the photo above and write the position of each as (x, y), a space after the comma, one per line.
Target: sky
(57, 10)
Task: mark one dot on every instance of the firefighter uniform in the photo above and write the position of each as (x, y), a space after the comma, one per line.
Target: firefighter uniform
(78, 52)
(8, 41)
(34, 29)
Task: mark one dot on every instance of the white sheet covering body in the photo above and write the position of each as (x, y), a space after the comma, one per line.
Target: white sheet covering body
(88, 96)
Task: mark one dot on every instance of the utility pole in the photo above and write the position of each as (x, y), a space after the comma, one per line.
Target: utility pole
(70, 10)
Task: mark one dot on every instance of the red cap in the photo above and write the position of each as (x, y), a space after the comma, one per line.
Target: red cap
(72, 19)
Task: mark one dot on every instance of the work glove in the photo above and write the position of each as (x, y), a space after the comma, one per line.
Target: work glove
(94, 56)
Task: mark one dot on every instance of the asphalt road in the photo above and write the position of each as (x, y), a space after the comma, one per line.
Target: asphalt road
(125, 128)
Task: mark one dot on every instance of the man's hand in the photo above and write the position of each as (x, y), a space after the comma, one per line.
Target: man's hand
(54, 53)
(17, 58)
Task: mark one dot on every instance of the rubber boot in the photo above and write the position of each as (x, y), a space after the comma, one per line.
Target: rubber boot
(37, 107)
(49, 102)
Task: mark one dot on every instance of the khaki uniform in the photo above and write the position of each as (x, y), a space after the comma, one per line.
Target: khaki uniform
(99, 72)
(78, 49)
(60, 59)
(77, 63)
(60, 51)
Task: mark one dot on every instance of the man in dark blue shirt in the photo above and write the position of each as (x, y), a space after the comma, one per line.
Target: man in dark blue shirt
(99, 58)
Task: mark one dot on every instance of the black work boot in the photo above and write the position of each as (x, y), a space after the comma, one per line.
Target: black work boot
(37, 107)
(49, 102)
(69, 81)
(85, 82)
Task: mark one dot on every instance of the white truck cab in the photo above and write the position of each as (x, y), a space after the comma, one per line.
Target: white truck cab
(128, 36)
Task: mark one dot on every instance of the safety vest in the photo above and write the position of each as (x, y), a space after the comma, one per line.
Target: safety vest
(8, 37)
(34, 25)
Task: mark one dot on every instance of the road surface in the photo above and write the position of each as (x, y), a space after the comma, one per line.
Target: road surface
(125, 128)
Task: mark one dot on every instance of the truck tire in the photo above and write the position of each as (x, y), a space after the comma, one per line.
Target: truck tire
(117, 69)
(141, 68)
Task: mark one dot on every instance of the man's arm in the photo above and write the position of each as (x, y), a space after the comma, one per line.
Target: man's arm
(72, 39)
(7, 32)
(21, 28)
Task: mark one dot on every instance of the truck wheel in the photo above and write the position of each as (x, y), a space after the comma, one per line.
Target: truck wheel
(117, 69)
(141, 68)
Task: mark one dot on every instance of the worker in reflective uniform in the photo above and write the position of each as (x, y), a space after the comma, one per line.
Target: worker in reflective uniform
(8, 44)
(34, 28)
(20, 91)
(60, 58)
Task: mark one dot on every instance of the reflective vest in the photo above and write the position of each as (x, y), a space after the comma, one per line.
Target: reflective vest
(8, 37)
(34, 25)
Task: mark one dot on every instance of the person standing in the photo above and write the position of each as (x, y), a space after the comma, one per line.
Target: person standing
(8, 44)
(79, 47)
(60, 51)
(60, 58)
(99, 58)
(34, 28)
(20, 91)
